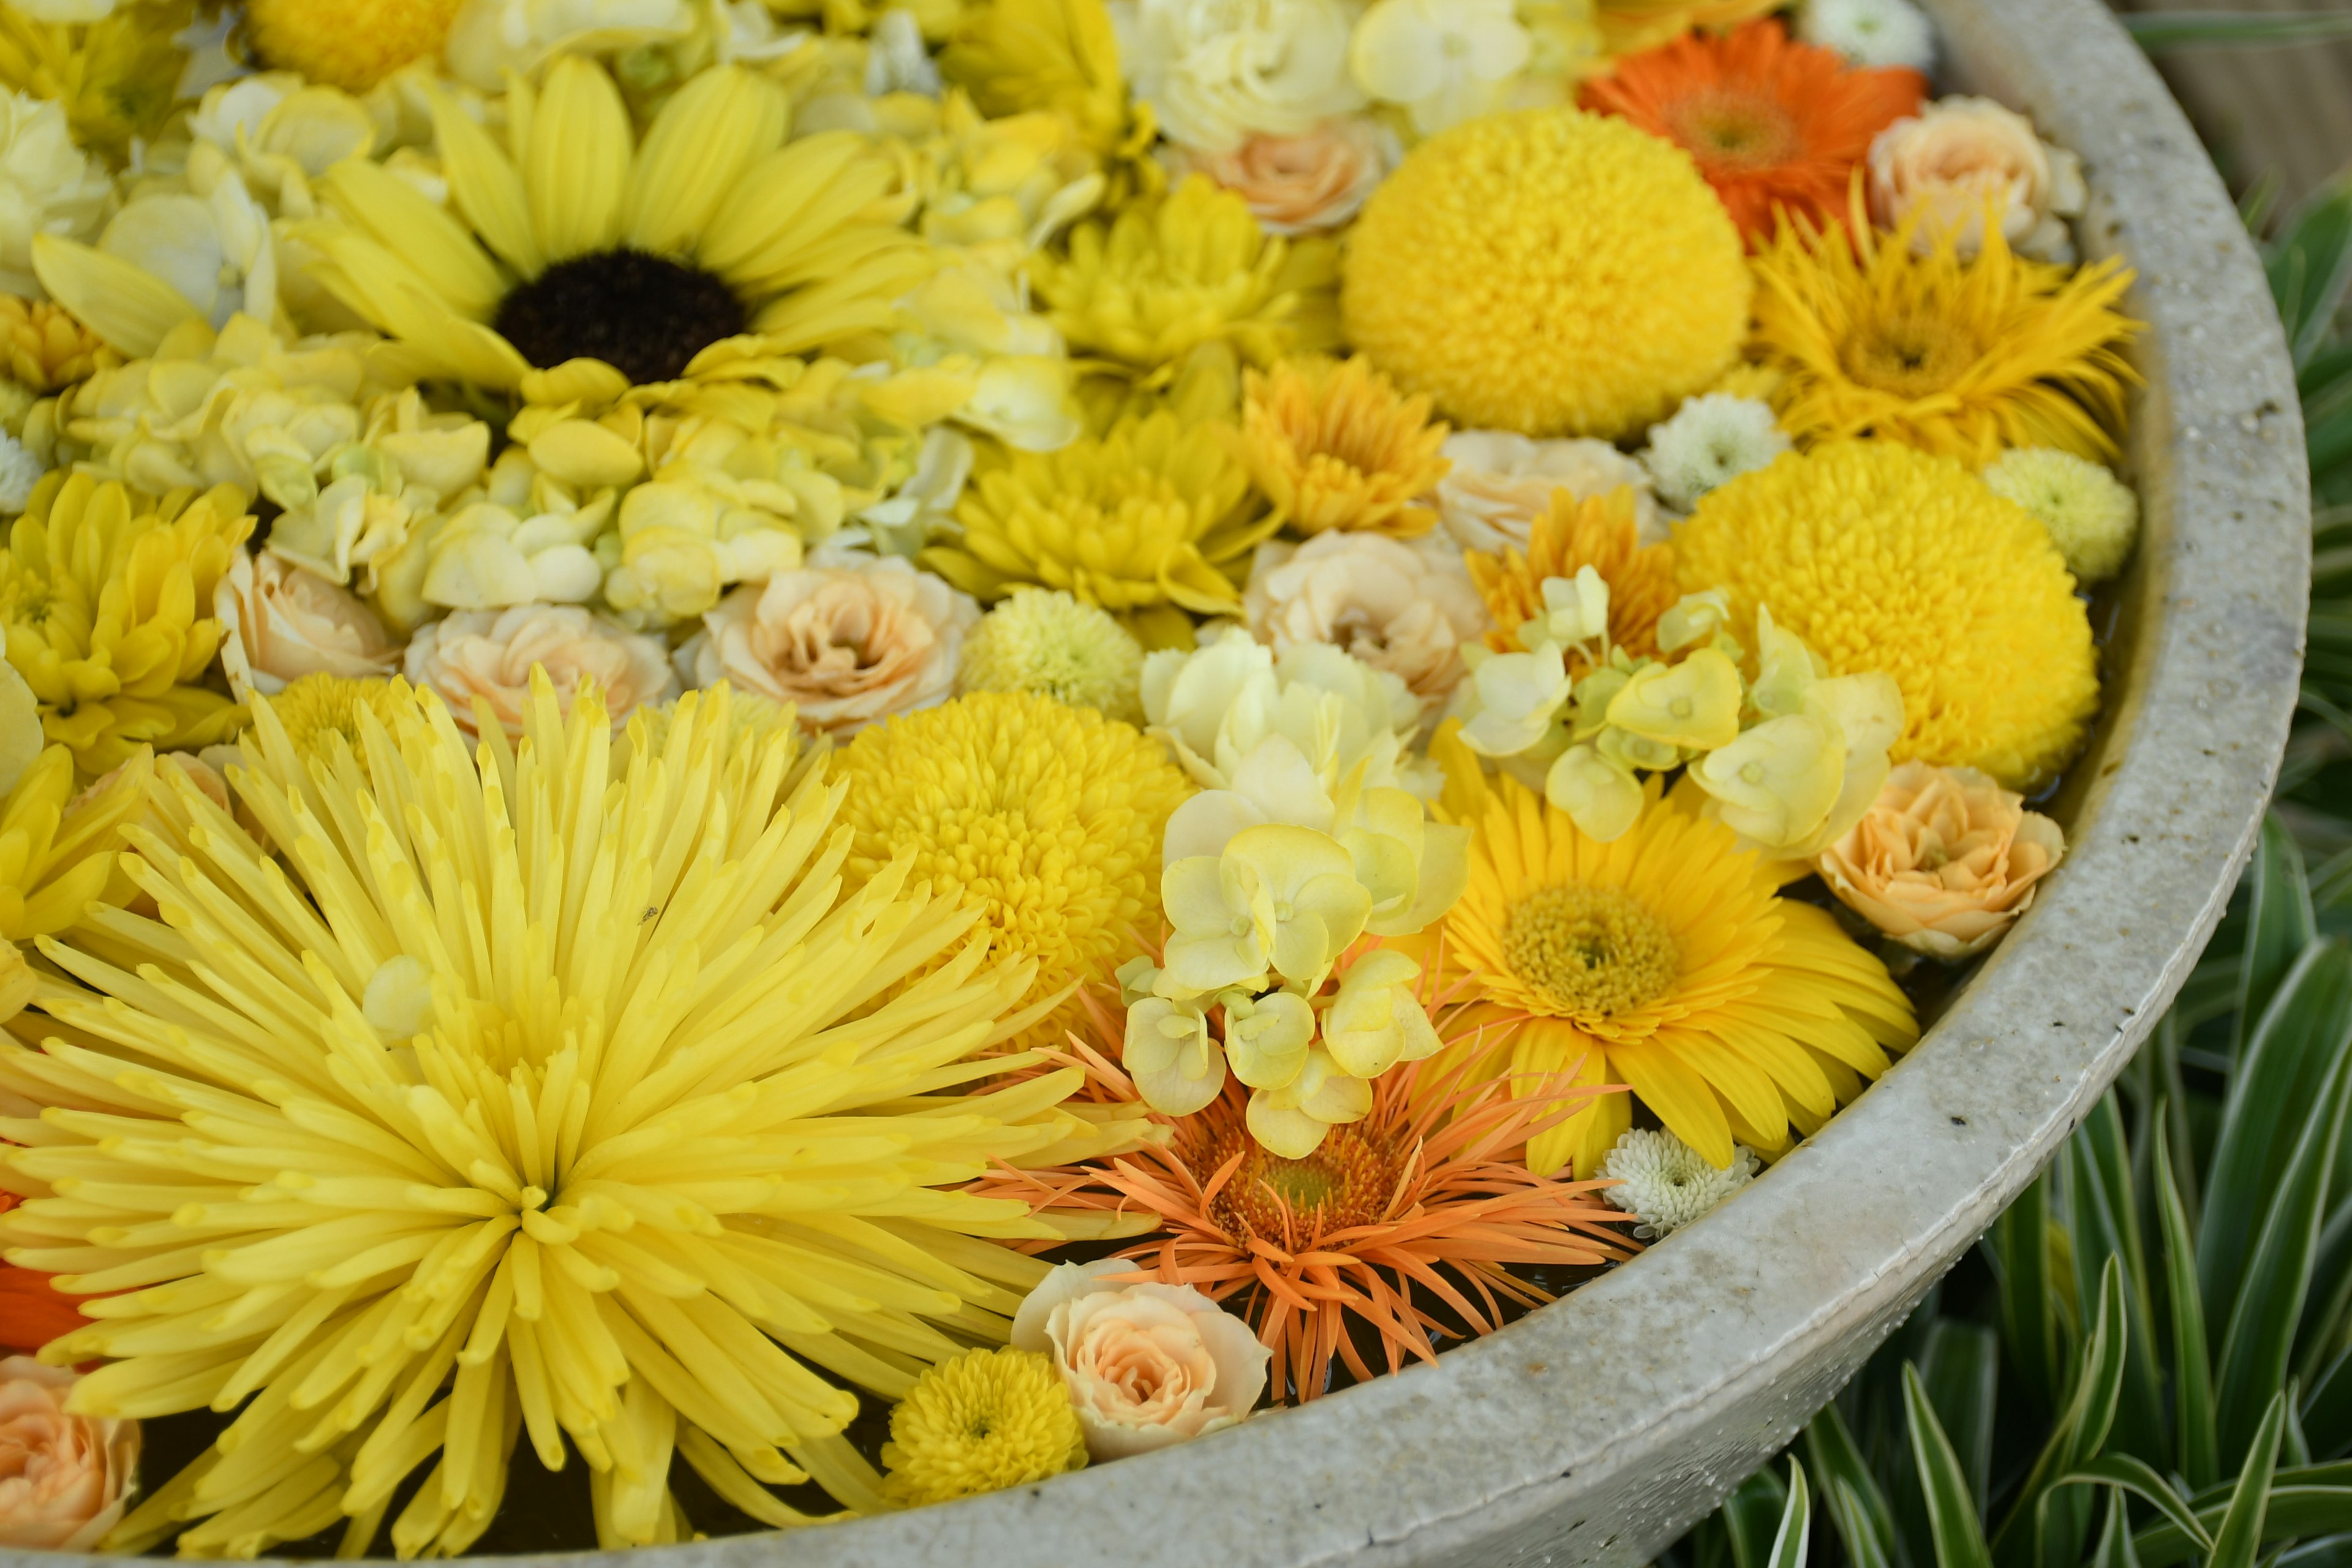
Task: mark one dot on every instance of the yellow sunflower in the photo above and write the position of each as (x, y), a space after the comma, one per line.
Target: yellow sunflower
(1665, 960)
(1957, 357)
(576, 240)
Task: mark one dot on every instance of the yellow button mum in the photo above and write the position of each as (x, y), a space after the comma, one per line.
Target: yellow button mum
(1551, 272)
(350, 44)
(983, 1421)
(1884, 558)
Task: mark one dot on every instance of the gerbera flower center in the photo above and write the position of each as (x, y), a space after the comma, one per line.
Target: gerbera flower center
(1911, 354)
(645, 315)
(1348, 1181)
(1591, 950)
(1732, 130)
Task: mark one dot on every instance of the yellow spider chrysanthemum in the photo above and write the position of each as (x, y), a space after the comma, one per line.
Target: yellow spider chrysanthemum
(1959, 357)
(983, 1422)
(349, 43)
(576, 239)
(107, 600)
(118, 78)
(1666, 960)
(1884, 558)
(1548, 272)
(519, 1097)
(43, 347)
(1335, 447)
(1604, 532)
(1045, 817)
(1146, 522)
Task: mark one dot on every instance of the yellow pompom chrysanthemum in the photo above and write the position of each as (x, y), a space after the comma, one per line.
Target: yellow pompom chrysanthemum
(349, 43)
(521, 1099)
(1884, 558)
(1548, 272)
(979, 1423)
(1045, 817)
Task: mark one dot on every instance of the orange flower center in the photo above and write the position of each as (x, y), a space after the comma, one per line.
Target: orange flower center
(1348, 1181)
(1911, 354)
(1591, 950)
(1729, 129)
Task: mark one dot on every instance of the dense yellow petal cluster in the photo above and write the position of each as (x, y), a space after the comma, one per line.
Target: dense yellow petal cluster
(1334, 446)
(1548, 272)
(523, 1097)
(317, 709)
(1602, 532)
(57, 850)
(1044, 817)
(349, 43)
(1957, 356)
(984, 1421)
(1147, 520)
(43, 347)
(1014, 56)
(118, 77)
(107, 599)
(1881, 557)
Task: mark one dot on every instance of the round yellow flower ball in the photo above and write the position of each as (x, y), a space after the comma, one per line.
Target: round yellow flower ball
(1548, 272)
(349, 43)
(1882, 557)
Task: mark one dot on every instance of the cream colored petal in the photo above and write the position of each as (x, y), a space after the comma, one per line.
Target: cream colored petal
(487, 187)
(697, 151)
(576, 165)
(130, 308)
(439, 249)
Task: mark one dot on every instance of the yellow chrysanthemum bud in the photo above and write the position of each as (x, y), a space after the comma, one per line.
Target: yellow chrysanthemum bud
(46, 347)
(980, 1422)
(1337, 447)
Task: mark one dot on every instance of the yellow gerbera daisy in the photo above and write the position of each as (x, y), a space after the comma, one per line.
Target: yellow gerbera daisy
(1664, 959)
(577, 240)
(118, 78)
(1958, 357)
(1602, 532)
(1336, 447)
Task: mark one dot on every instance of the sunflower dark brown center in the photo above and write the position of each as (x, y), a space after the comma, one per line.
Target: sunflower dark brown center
(1348, 1181)
(645, 315)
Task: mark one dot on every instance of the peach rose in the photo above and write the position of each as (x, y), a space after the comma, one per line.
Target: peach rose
(1407, 607)
(845, 644)
(1303, 184)
(1501, 482)
(1146, 1366)
(63, 1478)
(489, 654)
(1944, 861)
(1962, 157)
(284, 621)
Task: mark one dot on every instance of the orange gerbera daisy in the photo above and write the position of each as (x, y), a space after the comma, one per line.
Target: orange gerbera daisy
(1421, 1204)
(1773, 123)
(1603, 533)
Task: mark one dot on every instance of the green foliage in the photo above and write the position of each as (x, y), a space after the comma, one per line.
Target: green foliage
(2157, 30)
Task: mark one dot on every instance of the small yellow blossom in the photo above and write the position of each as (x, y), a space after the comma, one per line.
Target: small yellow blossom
(1335, 447)
(980, 1422)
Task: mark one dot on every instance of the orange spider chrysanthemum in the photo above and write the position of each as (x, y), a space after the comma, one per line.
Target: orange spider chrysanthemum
(1603, 533)
(1337, 447)
(1421, 1204)
(1773, 123)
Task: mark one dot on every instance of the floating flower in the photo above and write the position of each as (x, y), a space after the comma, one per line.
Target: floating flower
(1572, 536)
(1944, 861)
(46, 348)
(1057, 645)
(1217, 704)
(980, 1422)
(99, 591)
(1500, 484)
(2093, 517)
(1960, 160)
(1315, 180)
(1628, 26)
(1952, 356)
(1444, 62)
(1146, 1366)
(1883, 559)
(1215, 73)
(349, 43)
(1404, 608)
(1870, 32)
(1046, 818)
(493, 657)
(281, 622)
(1017, 56)
(1775, 125)
(1168, 275)
(1664, 1183)
(846, 645)
(117, 75)
(617, 1294)
(64, 1478)
(46, 186)
(1709, 441)
(1335, 447)
(1665, 960)
(579, 240)
(1422, 1187)
(1146, 522)
(1548, 272)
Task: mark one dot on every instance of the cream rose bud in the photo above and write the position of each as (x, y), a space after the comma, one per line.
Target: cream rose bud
(1944, 861)
(1405, 607)
(489, 654)
(284, 621)
(1146, 1366)
(63, 1478)
(1217, 72)
(1501, 482)
(1961, 158)
(847, 644)
(1303, 184)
